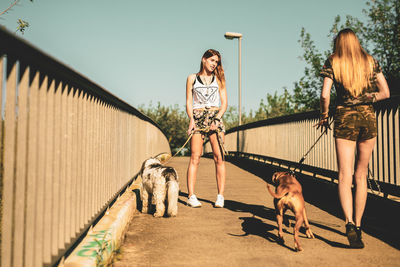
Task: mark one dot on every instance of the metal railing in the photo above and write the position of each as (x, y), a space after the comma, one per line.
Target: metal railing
(288, 138)
(67, 148)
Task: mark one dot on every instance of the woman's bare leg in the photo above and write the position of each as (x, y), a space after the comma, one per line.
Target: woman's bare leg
(196, 148)
(345, 150)
(219, 163)
(364, 151)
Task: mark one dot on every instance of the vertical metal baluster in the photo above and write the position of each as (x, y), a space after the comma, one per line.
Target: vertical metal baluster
(62, 237)
(69, 159)
(56, 190)
(32, 171)
(48, 184)
(9, 164)
(21, 163)
(41, 149)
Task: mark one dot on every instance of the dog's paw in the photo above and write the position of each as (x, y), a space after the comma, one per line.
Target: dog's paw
(158, 214)
(144, 210)
(173, 213)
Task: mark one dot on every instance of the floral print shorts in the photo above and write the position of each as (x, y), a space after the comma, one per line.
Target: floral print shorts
(203, 119)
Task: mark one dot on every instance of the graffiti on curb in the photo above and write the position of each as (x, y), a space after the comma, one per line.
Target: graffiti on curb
(98, 242)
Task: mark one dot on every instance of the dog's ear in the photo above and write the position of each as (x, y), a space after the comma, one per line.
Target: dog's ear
(273, 177)
(276, 176)
(142, 168)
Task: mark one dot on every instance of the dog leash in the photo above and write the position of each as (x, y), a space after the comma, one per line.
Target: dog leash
(187, 140)
(369, 170)
(205, 130)
(376, 183)
(308, 152)
(221, 147)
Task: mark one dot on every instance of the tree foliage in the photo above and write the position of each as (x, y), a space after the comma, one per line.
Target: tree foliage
(382, 33)
(171, 119)
(22, 25)
(379, 35)
(275, 106)
(306, 90)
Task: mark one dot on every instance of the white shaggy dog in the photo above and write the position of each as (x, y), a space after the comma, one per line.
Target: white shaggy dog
(159, 185)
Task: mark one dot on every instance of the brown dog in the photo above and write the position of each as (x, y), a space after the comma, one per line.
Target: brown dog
(288, 195)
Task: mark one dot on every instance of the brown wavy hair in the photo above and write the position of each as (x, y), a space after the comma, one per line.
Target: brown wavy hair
(352, 65)
(219, 70)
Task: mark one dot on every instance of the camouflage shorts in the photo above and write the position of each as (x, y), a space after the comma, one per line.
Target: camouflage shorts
(203, 119)
(355, 123)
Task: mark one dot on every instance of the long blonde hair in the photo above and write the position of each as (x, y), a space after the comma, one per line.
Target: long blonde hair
(352, 66)
(219, 70)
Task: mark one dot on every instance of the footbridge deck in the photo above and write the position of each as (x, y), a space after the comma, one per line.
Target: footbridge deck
(244, 232)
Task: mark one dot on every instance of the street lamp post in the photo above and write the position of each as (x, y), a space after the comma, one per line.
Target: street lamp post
(233, 35)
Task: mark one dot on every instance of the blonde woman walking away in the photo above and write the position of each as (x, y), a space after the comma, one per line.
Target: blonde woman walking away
(359, 82)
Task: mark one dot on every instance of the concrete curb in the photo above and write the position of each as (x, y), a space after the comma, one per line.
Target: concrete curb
(103, 240)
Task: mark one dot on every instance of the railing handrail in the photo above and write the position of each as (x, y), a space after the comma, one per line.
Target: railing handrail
(305, 115)
(288, 137)
(34, 57)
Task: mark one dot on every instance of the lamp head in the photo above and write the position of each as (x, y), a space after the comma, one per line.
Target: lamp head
(232, 35)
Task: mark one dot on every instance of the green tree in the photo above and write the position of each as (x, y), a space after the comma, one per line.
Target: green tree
(306, 90)
(172, 121)
(380, 36)
(230, 117)
(275, 106)
(382, 33)
(279, 105)
(22, 25)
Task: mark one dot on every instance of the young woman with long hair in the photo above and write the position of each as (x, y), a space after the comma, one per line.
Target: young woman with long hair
(359, 82)
(206, 102)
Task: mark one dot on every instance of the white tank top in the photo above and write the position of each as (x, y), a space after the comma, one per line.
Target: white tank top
(205, 95)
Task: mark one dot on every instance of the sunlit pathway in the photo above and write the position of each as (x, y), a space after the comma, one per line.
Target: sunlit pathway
(241, 234)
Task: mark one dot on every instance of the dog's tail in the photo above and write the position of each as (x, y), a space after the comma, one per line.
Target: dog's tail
(172, 196)
(275, 195)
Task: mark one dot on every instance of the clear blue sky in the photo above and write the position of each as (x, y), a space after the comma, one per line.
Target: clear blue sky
(143, 51)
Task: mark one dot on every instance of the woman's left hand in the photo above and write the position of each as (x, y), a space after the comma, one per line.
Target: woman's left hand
(324, 124)
(214, 125)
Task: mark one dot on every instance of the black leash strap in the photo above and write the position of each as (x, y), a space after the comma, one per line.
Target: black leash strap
(308, 152)
(221, 146)
(319, 138)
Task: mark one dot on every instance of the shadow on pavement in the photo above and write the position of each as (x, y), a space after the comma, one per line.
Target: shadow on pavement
(380, 218)
(254, 226)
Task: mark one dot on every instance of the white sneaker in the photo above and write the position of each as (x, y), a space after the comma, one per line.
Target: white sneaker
(219, 203)
(193, 201)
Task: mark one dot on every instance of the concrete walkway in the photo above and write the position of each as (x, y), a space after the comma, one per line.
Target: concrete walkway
(241, 234)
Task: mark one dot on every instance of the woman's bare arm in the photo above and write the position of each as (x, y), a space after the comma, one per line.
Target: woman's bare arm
(325, 95)
(189, 102)
(383, 88)
(224, 100)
